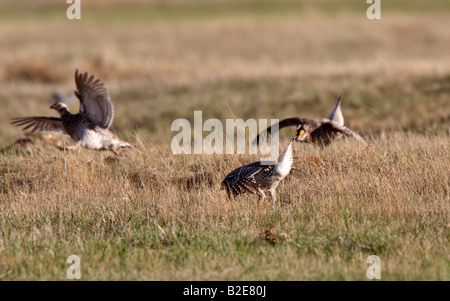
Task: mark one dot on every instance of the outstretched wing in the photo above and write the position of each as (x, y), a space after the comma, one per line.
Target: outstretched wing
(51, 124)
(331, 126)
(294, 121)
(239, 180)
(95, 102)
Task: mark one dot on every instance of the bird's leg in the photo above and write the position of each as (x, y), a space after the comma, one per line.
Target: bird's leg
(77, 146)
(273, 195)
(113, 151)
(261, 195)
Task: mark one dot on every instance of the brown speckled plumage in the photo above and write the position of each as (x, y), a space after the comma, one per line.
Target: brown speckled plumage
(89, 128)
(256, 178)
(318, 131)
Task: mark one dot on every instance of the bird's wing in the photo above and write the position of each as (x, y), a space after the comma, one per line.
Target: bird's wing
(331, 126)
(240, 180)
(95, 101)
(294, 121)
(51, 124)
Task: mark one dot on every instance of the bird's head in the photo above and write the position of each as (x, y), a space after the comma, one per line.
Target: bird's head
(60, 107)
(302, 134)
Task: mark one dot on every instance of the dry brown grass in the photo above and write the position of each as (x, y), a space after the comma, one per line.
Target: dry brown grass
(135, 217)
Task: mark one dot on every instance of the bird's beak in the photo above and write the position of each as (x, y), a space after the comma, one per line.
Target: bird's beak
(53, 106)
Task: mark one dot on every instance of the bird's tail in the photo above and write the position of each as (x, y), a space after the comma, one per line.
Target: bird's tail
(284, 162)
(336, 114)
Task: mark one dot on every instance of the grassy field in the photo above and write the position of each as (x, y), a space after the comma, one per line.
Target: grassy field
(152, 215)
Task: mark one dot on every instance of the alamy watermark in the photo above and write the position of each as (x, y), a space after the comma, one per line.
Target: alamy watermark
(237, 136)
(374, 10)
(74, 270)
(374, 270)
(74, 10)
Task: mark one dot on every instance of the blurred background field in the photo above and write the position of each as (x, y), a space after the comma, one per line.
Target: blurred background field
(161, 60)
(249, 59)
